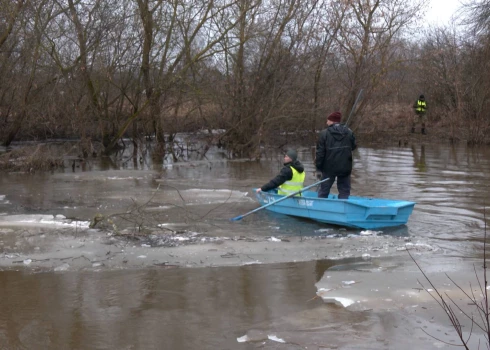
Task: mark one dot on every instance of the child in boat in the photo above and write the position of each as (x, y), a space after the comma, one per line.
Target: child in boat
(291, 177)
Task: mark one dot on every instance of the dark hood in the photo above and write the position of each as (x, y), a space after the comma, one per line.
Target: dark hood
(338, 131)
(296, 164)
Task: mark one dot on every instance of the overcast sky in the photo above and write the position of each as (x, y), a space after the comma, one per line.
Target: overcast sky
(440, 11)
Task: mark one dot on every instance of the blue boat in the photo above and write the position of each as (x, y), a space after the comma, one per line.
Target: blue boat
(356, 212)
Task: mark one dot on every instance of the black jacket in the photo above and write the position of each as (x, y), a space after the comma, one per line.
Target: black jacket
(334, 150)
(286, 174)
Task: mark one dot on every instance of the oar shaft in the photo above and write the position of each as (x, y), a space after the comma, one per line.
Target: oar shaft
(279, 200)
(354, 106)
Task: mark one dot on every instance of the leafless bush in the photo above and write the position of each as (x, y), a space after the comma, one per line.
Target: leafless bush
(479, 317)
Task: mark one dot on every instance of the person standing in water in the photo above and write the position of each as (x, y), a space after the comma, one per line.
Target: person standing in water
(420, 107)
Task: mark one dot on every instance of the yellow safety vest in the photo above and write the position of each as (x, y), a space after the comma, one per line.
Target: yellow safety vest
(421, 105)
(293, 185)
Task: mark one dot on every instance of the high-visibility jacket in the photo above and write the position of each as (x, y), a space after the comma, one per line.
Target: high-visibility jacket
(421, 106)
(293, 185)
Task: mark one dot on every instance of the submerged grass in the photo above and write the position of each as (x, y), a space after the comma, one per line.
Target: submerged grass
(31, 159)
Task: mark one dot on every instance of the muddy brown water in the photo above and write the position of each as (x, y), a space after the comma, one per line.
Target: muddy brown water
(269, 306)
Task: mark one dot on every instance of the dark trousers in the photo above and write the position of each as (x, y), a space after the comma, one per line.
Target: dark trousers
(343, 185)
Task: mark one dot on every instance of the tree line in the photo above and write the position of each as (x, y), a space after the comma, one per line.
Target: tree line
(100, 70)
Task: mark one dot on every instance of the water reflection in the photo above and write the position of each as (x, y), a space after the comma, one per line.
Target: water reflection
(197, 309)
(152, 309)
(419, 159)
(449, 183)
(109, 163)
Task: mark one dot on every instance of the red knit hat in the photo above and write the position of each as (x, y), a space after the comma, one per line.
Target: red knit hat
(335, 117)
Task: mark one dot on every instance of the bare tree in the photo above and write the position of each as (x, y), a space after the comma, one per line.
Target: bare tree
(366, 41)
(478, 14)
(9, 11)
(264, 74)
(438, 73)
(265, 71)
(176, 34)
(324, 25)
(22, 69)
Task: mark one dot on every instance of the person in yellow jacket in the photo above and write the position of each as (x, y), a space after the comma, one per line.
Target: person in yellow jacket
(420, 107)
(291, 177)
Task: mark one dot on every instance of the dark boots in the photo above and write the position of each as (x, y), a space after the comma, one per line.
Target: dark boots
(423, 131)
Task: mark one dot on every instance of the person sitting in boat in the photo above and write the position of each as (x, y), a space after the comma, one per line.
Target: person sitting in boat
(334, 156)
(291, 177)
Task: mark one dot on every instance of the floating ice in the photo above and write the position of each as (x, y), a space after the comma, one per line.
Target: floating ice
(27, 261)
(141, 256)
(62, 267)
(346, 283)
(216, 196)
(242, 339)
(420, 246)
(275, 338)
(359, 286)
(11, 256)
(370, 233)
(345, 302)
(324, 230)
(206, 191)
(124, 178)
(180, 238)
(274, 239)
(51, 220)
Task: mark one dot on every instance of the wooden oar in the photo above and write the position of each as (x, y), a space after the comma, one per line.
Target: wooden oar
(277, 201)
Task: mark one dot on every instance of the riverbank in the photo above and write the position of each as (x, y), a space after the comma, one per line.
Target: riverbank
(384, 130)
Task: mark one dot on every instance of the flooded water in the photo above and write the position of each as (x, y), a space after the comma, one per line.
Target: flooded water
(269, 306)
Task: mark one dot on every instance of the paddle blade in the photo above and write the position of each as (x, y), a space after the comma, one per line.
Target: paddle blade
(236, 218)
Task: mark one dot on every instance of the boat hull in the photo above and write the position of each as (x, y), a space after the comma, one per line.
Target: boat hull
(356, 212)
